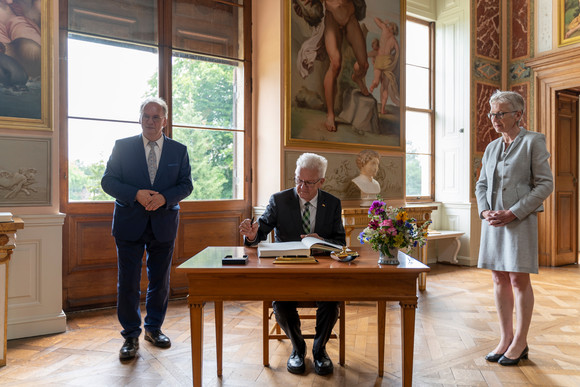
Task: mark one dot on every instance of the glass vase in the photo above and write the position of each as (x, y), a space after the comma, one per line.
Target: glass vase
(388, 256)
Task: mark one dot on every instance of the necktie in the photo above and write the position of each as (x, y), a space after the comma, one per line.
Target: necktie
(306, 218)
(152, 161)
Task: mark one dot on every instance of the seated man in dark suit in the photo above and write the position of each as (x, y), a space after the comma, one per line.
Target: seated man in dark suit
(295, 213)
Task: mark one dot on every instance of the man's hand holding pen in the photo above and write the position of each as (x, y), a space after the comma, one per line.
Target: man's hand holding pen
(249, 229)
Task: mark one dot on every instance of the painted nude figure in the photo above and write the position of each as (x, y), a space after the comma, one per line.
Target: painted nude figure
(385, 63)
(341, 19)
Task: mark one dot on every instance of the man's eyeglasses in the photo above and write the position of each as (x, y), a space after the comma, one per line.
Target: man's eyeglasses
(306, 182)
(499, 115)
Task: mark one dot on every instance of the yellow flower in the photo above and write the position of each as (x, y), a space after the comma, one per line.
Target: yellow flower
(402, 216)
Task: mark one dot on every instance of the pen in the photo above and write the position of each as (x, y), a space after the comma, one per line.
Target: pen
(252, 221)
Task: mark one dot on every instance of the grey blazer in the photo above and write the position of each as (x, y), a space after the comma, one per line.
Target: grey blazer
(527, 178)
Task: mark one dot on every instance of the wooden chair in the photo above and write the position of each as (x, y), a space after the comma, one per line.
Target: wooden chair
(276, 333)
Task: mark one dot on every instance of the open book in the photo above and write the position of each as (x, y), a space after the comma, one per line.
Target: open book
(306, 246)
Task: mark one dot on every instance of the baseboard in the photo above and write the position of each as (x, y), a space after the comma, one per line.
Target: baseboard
(42, 325)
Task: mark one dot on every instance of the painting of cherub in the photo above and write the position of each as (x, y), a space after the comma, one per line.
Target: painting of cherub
(332, 63)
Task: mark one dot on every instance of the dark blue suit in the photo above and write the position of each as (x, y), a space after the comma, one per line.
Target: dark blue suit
(283, 216)
(136, 229)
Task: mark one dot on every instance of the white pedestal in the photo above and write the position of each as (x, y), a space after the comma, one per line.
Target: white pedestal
(35, 279)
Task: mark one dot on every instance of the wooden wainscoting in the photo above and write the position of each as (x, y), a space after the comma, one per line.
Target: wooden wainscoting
(90, 257)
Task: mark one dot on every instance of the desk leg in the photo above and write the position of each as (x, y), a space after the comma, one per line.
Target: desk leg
(381, 313)
(408, 337)
(423, 259)
(219, 334)
(196, 327)
(265, 334)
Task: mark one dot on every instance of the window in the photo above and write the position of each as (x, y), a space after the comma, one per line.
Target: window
(189, 52)
(419, 111)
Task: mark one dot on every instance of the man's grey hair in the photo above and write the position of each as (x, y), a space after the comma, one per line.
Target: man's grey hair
(515, 100)
(159, 101)
(312, 161)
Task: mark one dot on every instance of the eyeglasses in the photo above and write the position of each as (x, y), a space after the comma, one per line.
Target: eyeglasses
(499, 115)
(305, 182)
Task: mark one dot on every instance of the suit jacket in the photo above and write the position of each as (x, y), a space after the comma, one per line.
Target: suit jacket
(527, 178)
(127, 173)
(283, 216)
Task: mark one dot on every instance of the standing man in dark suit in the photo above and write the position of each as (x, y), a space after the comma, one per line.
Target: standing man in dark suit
(148, 175)
(295, 213)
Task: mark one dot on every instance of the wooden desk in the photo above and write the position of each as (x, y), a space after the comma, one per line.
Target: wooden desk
(360, 280)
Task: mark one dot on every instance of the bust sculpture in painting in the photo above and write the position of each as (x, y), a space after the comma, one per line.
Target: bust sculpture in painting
(367, 162)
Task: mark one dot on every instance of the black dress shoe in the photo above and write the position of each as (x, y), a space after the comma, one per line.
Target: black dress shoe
(158, 339)
(295, 364)
(322, 364)
(493, 357)
(506, 361)
(129, 348)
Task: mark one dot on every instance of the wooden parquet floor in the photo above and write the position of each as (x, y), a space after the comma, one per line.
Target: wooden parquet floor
(456, 326)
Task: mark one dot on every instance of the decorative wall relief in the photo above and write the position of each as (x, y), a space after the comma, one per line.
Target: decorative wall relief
(342, 169)
(24, 171)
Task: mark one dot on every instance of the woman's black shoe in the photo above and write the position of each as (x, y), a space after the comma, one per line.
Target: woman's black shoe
(506, 361)
(493, 357)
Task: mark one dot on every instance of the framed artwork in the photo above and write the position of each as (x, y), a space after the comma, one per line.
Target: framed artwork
(342, 170)
(568, 22)
(344, 74)
(25, 65)
(25, 171)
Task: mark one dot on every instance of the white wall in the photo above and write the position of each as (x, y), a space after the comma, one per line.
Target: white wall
(268, 55)
(452, 115)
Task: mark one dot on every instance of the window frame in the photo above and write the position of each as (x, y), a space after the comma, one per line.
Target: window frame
(165, 56)
(430, 111)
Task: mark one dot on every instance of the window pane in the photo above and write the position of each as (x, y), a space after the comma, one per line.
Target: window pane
(130, 20)
(418, 175)
(207, 93)
(208, 27)
(418, 134)
(89, 146)
(217, 160)
(109, 81)
(418, 87)
(418, 51)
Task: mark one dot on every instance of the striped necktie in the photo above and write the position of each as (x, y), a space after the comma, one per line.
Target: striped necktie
(306, 218)
(152, 161)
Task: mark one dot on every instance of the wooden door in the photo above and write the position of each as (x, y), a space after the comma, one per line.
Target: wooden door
(566, 179)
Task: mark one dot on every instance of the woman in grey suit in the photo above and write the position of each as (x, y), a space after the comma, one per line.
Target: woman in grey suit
(514, 181)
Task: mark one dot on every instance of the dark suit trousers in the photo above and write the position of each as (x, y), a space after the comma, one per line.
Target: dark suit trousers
(130, 260)
(287, 318)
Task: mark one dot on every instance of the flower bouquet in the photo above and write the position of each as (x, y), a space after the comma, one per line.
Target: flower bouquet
(390, 229)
